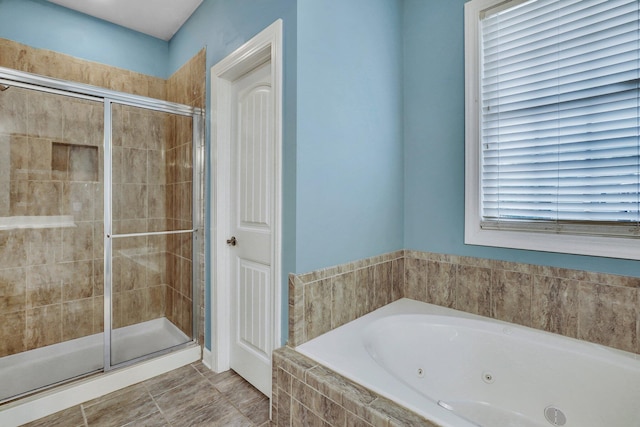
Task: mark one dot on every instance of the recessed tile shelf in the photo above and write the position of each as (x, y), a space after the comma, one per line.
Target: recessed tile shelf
(74, 162)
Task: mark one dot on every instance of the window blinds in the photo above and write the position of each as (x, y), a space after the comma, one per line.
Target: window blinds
(560, 113)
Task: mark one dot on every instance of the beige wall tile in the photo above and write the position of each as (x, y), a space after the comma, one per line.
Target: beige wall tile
(77, 279)
(365, 282)
(98, 314)
(383, 278)
(12, 330)
(317, 308)
(296, 311)
(441, 283)
(44, 326)
(77, 242)
(45, 116)
(343, 299)
(82, 122)
(608, 315)
(13, 111)
(416, 279)
(397, 282)
(511, 297)
(473, 290)
(44, 198)
(77, 318)
(13, 290)
(554, 305)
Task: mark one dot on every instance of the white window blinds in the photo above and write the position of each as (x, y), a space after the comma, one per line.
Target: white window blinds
(560, 114)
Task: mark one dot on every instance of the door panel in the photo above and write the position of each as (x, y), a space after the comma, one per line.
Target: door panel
(151, 257)
(252, 189)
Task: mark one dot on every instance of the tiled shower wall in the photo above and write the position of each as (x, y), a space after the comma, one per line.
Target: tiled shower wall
(596, 307)
(51, 279)
(139, 273)
(185, 86)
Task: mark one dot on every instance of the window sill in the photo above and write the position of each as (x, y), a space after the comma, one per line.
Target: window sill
(611, 247)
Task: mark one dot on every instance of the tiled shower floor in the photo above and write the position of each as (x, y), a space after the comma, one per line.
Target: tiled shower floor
(188, 396)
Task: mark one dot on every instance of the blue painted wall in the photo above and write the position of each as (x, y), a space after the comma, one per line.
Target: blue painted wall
(223, 26)
(45, 25)
(349, 137)
(434, 142)
(373, 116)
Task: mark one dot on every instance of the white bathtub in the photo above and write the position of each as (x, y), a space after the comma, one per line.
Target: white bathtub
(461, 370)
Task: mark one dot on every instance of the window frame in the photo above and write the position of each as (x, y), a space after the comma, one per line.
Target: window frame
(538, 240)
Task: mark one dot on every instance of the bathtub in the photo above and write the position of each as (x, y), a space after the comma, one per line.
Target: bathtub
(461, 370)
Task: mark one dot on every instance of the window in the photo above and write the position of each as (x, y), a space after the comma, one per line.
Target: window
(553, 125)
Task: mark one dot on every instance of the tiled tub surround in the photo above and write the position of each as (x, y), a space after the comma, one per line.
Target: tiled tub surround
(307, 394)
(325, 299)
(484, 371)
(596, 307)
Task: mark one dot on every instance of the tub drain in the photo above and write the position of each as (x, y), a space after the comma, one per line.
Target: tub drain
(555, 416)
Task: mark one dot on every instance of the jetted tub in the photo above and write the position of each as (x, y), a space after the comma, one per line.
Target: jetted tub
(461, 370)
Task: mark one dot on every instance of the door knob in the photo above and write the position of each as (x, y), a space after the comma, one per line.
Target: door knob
(232, 241)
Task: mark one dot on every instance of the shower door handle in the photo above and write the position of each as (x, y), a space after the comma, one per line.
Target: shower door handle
(232, 241)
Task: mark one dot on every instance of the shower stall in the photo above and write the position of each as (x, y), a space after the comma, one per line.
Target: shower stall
(99, 215)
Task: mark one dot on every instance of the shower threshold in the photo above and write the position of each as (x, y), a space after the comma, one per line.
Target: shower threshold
(31, 370)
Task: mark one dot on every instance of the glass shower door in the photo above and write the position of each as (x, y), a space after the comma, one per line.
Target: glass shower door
(151, 232)
(51, 265)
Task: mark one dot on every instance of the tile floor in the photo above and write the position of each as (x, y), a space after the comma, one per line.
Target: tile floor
(189, 396)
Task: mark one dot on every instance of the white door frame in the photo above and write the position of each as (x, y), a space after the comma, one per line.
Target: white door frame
(267, 45)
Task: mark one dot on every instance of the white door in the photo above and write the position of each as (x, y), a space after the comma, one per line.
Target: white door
(251, 227)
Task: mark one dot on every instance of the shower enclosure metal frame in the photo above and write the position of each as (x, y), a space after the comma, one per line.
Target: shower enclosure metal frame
(10, 77)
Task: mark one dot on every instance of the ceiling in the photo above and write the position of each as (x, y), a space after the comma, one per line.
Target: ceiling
(157, 18)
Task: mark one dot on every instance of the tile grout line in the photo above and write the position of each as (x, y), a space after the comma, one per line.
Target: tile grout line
(158, 406)
(84, 415)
